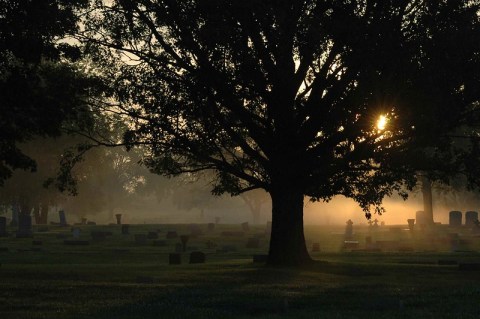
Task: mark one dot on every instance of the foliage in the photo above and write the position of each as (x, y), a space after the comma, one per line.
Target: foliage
(284, 95)
(40, 88)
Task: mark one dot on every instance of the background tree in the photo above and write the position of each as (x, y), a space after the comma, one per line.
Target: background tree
(285, 95)
(40, 90)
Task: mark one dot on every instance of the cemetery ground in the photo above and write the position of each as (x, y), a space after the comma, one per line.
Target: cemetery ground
(382, 272)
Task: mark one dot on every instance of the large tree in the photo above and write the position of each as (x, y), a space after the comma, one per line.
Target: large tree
(285, 95)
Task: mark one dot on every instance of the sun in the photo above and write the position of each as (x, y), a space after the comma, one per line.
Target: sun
(382, 122)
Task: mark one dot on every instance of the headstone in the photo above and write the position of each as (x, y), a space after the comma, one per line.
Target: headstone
(3, 226)
(411, 224)
(24, 226)
(152, 235)
(315, 247)
(119, 218)
(76, 233)
(253, 242)
(217, 220)
(195, 230)
(470, 218)
(455, 218)
(476, 227)
(125, 229)
(140, 239)
(15, 213)
(171, 235)
(63, 218)
(184, 239)
(178, 248)
(349, 230)
(197, 257)
(421, 218)
(245, 227)
(211, 227)
(174, 259)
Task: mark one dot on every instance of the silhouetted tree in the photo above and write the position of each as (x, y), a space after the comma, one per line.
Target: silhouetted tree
(40, 89)
(284, 95)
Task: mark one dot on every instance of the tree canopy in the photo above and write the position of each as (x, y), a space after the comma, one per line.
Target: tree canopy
(285, 95)
(40, 89)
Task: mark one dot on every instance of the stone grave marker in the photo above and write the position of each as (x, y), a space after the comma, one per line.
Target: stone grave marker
(245, 227)
(174, 259)
(195, 230)
(171, 235)
(15, 213)
(470, 218)
(349, 230)
(178, 248)
(421, 219)
(315, 247)
(140, 239)
(211, 227)
(118, 217)
(197, 257)
(24, 226)
(253, 242)
(184, 239)
(62, 217)
(455, 218)
(476, 227)
(411, 224)
(3, 226)
(217, 220)
(125, 229)
(76, 233)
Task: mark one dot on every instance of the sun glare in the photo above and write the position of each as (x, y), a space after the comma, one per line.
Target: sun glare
(382, 122)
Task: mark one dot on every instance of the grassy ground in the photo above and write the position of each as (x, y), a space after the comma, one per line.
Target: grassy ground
(118, 279)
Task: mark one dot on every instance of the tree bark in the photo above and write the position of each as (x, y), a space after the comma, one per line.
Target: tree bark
(427, 199)
(287, 241)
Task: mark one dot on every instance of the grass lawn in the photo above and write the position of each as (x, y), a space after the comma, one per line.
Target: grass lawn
(117, 278)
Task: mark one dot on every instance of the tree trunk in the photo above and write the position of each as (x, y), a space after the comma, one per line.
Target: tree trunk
(287, 241)
(427, 199)
(43, 214)
(36, 214)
